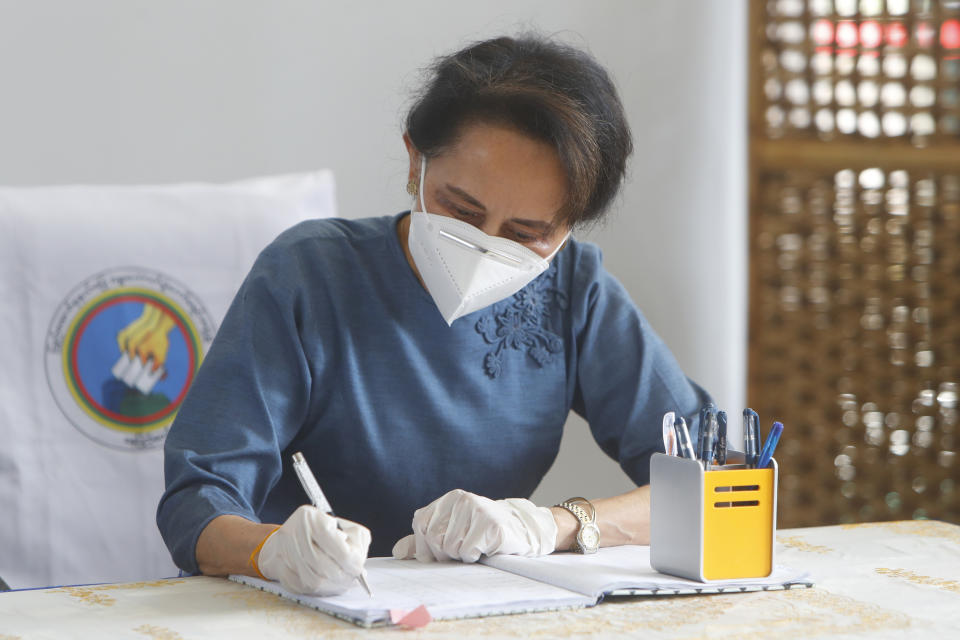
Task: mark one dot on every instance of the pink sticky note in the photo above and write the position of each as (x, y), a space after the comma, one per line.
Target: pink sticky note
(415, 619)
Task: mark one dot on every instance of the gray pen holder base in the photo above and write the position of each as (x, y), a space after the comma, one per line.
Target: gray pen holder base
(712, 525)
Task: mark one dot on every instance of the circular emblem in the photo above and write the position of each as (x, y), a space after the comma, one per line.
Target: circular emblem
(121, 352)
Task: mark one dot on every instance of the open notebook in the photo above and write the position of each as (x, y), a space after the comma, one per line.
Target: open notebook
(511, 584)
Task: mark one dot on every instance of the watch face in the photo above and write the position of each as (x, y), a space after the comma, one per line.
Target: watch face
(590, 537)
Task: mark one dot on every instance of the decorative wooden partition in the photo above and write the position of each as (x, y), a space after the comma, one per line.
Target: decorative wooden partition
(855, 254)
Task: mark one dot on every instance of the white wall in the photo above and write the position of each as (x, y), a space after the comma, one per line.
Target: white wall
(127, 91)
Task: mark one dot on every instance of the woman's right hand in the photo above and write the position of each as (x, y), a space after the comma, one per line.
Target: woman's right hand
(311, 554)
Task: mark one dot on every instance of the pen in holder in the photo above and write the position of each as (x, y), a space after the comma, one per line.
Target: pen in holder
(711, 525)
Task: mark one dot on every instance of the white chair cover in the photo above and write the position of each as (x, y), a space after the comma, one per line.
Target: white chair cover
(109, 297)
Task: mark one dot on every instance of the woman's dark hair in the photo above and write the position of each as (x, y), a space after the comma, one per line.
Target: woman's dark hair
(544, 89)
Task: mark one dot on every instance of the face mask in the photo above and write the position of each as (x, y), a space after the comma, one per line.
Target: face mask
(463, 268)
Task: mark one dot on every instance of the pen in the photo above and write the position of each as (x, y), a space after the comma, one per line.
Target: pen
(772, 438)
(721, 445)
(708, 431)
(669, 436)
(702, 429)
(684, 446)
(315, 493)
(751, 437)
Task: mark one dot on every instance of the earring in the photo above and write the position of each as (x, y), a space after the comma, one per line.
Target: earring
(412, 188)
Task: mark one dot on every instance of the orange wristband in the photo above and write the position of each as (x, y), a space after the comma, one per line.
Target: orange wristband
(256, 552)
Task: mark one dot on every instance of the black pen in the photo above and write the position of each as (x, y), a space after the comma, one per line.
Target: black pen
(721, 445)
(702, 427)
(708, 431)
(684, 446)
(751, 437)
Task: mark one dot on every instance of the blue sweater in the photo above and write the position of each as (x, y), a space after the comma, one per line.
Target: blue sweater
(332, 347)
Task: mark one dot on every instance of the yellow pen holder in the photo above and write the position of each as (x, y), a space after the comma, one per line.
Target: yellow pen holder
(711, 525)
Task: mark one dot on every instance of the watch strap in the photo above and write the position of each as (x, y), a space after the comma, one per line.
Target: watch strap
(585, 513)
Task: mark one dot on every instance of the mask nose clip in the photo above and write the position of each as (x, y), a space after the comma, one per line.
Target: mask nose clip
(487, 251)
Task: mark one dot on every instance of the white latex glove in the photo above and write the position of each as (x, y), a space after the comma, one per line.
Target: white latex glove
(310, 555)
(463, 526)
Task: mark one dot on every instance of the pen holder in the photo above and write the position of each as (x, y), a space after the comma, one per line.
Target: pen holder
(711, 525)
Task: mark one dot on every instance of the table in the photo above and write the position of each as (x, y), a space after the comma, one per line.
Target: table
(875, 580)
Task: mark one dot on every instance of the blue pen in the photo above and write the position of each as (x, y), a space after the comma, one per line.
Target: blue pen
(751, 437)
(720, 447)
(684, 446)
(767, 454)
(708, 429)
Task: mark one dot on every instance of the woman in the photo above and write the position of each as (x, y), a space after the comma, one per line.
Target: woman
(431, 358)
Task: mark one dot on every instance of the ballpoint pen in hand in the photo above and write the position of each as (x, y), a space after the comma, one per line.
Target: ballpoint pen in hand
(315, 493)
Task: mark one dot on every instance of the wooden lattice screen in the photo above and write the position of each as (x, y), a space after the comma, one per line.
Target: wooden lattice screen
(855, 254)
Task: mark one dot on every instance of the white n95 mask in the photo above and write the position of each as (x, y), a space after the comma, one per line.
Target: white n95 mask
(463, 268)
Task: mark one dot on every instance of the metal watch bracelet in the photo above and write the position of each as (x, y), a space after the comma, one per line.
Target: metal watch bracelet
(587, 539)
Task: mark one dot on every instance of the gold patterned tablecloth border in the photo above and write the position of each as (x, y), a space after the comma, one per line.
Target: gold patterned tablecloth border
(298, 620)
(158, 633)
(915, 578)
(786, 615)
(97, 594)
(924, 528)
(795, 542)
(814, 613)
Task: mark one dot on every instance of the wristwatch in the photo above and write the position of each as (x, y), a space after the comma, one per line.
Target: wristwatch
(588, 537)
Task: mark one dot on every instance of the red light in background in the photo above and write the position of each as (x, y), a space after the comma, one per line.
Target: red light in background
(847, 34)
(871, 35)
(925, 34)
(822, 32)
(896, 34)
(950, 34)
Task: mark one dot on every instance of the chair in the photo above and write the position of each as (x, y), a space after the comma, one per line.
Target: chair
(110, 296)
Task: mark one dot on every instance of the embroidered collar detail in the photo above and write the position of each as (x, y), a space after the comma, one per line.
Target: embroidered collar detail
(522, 322)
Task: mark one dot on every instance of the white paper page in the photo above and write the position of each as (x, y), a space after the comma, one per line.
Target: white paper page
(619, 568)
(447, 589)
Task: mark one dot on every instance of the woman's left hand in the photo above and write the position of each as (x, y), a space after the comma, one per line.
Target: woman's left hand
(463, 526)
